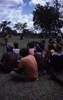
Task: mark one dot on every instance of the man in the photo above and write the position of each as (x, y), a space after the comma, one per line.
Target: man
(9, 59)
(27, 65)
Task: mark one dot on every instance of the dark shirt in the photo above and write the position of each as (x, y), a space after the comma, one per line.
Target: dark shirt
(9, 59)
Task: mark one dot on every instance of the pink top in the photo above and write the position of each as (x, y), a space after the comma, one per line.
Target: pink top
(31, 51)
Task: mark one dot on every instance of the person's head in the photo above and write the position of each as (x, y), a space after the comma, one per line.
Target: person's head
(43, 42)
(30, 44)
(52, 44)
(9, 47)
(58, 48)
(38, 47)
(50, 40)
(24, 52)
(58, 40)
(15, 45)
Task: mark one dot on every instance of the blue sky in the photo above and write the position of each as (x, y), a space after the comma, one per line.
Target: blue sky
(19, 10)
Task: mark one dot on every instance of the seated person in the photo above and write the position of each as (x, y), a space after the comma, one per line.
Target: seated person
(40, 58)
(52, 46)
(9, 59)
(16, 49)
(56, 59)
(30, 45)
(27, 68)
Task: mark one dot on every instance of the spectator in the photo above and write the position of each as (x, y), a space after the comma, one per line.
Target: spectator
(56, 59)
(40, 58)
(28, 65)
(9, 59)
(51, 44)
(31, 47)
(16, 49)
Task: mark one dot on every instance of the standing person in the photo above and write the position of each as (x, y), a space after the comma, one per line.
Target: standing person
(27, 68)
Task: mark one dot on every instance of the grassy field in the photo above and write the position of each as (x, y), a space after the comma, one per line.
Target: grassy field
(42, 89)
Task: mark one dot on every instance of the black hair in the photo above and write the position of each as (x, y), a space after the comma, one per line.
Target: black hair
(24, 52)
(9, 48)
(39, 47)
(50, 40)
(58, 47)
(31, 44)
(15, 45)
(58, 40)
(43, 41)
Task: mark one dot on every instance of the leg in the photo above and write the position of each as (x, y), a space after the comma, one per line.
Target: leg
(17, 76)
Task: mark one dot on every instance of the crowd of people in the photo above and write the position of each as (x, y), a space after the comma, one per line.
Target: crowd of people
(34, 60)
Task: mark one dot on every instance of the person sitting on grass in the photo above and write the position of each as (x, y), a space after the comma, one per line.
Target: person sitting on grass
(9, 59)
(16, 49)
(31, 45)
(40, 56)
(51, 47)
(56, 59)
(27, 67)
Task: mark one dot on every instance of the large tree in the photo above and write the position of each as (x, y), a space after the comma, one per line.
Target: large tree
(20, 26)
(58, 7)
(45, 17)
(5, 30)
(3, 25)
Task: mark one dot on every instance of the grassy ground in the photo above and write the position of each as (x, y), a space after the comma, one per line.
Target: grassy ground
(42, 89)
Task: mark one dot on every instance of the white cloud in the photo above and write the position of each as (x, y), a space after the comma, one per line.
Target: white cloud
(41, 2)
(12, 10)
(34, 2)
(16, 16)
(26, 18)
(11, 2)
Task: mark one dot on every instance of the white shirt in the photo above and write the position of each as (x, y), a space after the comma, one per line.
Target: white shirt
(16, 50)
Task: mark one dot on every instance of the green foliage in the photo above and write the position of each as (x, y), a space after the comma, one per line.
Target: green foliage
(20, 26)
(46, 17)
(4, 26)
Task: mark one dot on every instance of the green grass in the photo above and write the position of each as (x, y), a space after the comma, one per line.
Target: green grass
(22, 43)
